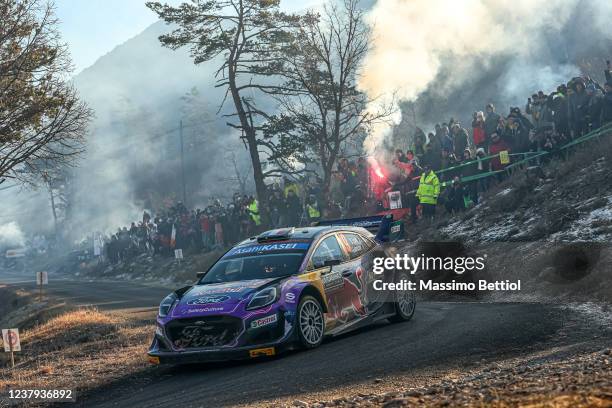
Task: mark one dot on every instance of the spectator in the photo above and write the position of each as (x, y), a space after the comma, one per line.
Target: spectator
(433, 151)
(478, 130)
(520, 126)
(455, 201)
(491, 121)
(578, 107)
(293, 209)
(420, 140)
(594, 107)
(561, 111)
(313, 209)
(276, 204)
(399, 156)
(470, 169)
(447, 141)
(428, 192)
(412, 159)
(448, 161)
(253, 210)
(498, 145)
(460, 140)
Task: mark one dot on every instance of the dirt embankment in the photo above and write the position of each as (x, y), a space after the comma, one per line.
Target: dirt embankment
(147, 268)
(550, 227)
(70, 348)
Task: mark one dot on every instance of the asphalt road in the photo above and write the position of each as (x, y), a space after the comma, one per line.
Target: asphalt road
(105, 295)
(440, 334)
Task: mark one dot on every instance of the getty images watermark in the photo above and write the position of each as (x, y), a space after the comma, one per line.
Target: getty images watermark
(458, 265)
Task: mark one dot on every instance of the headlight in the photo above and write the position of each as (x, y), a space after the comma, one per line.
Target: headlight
(166, 305)
(263, 298)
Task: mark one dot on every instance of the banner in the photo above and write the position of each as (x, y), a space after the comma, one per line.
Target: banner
(10, 338)
(173, 237)
(504, 158)
(395, 200)
(42, 278)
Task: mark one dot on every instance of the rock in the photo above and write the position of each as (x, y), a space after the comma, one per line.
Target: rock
(300, 403)
(397, 402)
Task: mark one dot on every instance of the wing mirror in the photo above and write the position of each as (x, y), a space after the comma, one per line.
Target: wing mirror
(200, 275)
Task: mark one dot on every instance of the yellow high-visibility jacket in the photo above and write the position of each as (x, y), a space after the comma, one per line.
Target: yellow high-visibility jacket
(429, 188)
(313, 211)
(254, 211)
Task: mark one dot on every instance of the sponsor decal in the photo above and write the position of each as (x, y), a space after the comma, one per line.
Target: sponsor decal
(264, 321)
(153, 360)
(268, 248)
(290, 297)
(205, 309)
(229, 290)
(205, 300)
(332, 281)
(268, 351)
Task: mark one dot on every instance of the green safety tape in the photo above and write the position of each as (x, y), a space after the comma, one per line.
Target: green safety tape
(532, 155)
(591, 135)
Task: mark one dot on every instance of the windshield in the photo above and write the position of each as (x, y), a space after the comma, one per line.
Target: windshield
(254, 267)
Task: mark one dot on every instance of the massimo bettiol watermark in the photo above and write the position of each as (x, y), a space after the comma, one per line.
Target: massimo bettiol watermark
(422, 263)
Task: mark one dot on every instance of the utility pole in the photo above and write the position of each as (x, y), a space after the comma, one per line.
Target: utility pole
(183, 163)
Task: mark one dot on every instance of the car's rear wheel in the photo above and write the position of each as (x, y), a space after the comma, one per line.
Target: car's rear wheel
(405, 303)
(310, 322)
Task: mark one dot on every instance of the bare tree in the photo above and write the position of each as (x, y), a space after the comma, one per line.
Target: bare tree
(326, 110)
(245, 38)
(42, 120)
(240, 177)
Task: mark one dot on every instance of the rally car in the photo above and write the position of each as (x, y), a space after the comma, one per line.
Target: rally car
(284, 289)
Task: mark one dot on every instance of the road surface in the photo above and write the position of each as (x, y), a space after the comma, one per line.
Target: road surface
(440, 335)
(105, 295)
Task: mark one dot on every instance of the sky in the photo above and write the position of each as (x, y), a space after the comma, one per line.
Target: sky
(92, 28)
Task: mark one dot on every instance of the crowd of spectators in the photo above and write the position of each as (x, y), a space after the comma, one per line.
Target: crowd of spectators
(460, 158)
(450, 155)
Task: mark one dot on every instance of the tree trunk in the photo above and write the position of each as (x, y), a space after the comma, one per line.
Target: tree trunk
(251, 138)
(54, 211)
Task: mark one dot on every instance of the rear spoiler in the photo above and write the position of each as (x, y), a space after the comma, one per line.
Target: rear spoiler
(380, 225)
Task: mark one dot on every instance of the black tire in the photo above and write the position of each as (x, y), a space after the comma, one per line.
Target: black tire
(310, 322)
(404, 304)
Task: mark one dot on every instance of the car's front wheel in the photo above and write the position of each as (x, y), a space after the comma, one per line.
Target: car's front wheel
(310, 322)
(405, 303)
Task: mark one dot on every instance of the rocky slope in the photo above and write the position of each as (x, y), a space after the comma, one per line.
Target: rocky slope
(551, 227)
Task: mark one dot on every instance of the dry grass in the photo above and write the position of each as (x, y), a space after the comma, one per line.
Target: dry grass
(80, 349)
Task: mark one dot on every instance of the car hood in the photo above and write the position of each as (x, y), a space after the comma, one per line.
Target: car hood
(216, 297)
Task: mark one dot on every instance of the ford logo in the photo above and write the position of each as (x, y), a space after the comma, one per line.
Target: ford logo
(207, 300)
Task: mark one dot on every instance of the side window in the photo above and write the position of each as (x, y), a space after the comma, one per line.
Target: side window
(357, 246)
(369, 243)
(328, 250)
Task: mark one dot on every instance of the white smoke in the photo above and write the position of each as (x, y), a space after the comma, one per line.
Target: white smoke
(418, 44)
(11, 236)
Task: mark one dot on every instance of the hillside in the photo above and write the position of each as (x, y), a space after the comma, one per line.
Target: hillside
(551, 228)
(140, 91)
